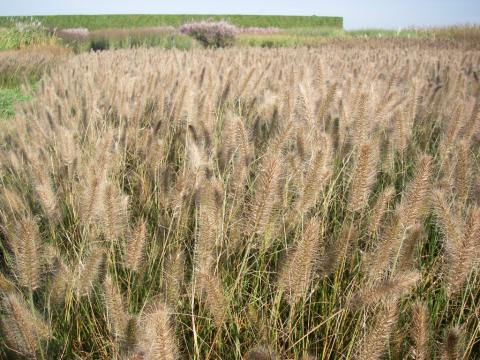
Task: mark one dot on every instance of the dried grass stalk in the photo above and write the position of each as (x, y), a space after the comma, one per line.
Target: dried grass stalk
(297, 271)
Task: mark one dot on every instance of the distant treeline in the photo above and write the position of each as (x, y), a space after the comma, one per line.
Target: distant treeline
(94, 22)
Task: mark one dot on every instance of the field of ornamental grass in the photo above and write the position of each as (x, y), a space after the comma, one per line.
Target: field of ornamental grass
(245, 203)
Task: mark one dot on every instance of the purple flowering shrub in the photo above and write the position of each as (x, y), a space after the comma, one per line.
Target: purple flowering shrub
(211, 34)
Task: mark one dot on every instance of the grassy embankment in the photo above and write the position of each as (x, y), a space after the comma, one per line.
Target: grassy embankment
(96, 22)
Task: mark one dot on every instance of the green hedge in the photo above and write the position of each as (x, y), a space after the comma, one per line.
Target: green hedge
(94, 22)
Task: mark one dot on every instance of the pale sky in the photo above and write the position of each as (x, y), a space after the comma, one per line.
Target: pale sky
(391, 14)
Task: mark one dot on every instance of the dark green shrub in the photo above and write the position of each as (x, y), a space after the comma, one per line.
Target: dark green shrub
(99, 44)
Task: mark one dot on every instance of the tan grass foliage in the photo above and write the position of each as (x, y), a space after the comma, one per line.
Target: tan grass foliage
(17, 66)
(149, 199)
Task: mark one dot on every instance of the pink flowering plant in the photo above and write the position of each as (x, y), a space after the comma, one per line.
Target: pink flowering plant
(211, 34)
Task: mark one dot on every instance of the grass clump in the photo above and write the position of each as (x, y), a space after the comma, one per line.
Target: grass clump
(26, 33)
(111, 39)
(28, 65)
(20, 70)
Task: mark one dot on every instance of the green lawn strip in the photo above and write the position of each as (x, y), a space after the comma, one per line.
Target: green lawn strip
(8, 98)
